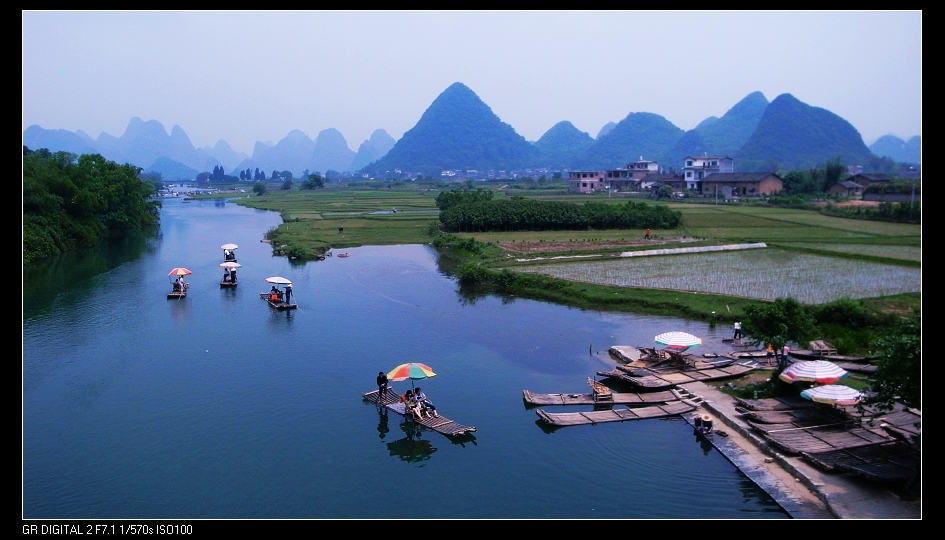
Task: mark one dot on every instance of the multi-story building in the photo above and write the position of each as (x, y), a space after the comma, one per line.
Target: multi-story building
(696, 168)
(585, 181)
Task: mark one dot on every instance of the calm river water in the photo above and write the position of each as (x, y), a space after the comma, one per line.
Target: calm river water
(217, 406)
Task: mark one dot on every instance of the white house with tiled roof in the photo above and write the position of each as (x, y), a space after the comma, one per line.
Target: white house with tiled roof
(695, 168)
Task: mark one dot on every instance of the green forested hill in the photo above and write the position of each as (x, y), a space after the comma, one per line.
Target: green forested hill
(641, 134)
(70, 202)
(794, 135)
(458, 131)
(561, 144)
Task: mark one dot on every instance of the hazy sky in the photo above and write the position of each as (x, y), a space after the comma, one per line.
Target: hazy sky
(254, 76)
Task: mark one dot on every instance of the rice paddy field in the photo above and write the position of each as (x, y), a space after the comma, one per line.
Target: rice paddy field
(760, 273)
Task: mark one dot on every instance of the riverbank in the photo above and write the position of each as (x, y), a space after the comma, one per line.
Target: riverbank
(802, 490)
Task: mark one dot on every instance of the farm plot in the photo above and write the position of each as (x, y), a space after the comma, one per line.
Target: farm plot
(905, 253)
(763, 274)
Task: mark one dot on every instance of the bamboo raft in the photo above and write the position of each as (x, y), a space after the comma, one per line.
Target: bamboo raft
(440, 424)
(623, 398)
(774, 404)
(892, 462)
(672, 408)
(654, 379)
(278, 304)
(795, 440)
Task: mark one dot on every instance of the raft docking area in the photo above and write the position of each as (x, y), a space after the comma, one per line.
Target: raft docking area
(796, 478)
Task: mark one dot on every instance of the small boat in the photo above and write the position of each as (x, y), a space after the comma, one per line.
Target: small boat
(229, 274)
(229, 252)
(280, 296)
(343, 255)
(178, 285)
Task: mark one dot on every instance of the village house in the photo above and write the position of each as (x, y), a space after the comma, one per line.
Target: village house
(696, 168)
(653, 182)
(866, 180)
(628, 178)
(731, 184)
(585, 181)
(847, 188)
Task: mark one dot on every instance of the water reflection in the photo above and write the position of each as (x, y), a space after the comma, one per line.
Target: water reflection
(411, 448)
(382, 429)
(73, 271)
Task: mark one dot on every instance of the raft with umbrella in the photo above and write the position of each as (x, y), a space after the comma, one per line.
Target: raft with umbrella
(229, 274)
(415, 371)
(178, 285)
(280, 296)
(229, 252)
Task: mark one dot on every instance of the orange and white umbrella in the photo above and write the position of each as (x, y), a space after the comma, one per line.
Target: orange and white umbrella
(180, 272)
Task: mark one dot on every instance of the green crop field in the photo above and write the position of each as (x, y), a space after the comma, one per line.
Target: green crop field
(764, 274)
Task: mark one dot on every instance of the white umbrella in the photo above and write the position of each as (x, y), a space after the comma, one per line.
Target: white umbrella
(835, 394)
(229, 246)
(278, 280)
(819, 371)
(678, 340)
(231, 264)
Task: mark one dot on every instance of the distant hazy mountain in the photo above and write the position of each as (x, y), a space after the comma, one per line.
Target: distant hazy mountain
(373, 149)
(794, 135)
(719, 136)
(293, 153)
(898, 150)
(641, 134)
(458, 131)
(56, 140)
(562, 145)
(171, 170)
(330, 152)
(225, 155)
(608, 127)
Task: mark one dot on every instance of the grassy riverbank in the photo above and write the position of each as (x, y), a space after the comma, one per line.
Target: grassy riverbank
(346, 215)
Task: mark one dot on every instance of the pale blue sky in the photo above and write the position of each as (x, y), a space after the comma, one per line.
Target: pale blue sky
(248, 76)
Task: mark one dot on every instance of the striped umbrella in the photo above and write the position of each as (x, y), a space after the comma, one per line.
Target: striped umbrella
(835, 394)
(677, 340)
(818, 371)
(412, 370)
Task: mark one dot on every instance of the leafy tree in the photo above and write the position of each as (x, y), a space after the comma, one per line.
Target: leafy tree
(898, 376)
(664, 192)
(833, 172)
(203, 179)
(259, 188)
(313, 181)
(286, 175)
(275, 175)
(287, 184)
(778, 323)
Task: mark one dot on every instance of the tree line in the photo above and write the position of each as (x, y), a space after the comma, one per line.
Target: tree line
(520, 214)
(71, 202)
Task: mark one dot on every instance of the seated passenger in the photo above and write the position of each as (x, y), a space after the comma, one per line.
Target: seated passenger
(424, 403)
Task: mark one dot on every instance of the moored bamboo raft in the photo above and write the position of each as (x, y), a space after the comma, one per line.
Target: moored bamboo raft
(622, 398)
(823, 438)
(775, 404)
(886, 462)
(615, 415)
(670, 379)
(440, 424)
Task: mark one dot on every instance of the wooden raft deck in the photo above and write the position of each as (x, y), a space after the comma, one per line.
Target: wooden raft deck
(793, 439)
(616, 415)
(624, 398)
(893, 462)
(775, 404)
(670, 379)
(440, 424)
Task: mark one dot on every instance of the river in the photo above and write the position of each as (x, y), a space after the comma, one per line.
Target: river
(218, 406)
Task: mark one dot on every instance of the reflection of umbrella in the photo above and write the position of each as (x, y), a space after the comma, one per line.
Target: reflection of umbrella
(413, 371)
(278, 280)
(180, 272)
(836, 394)
(229, 246)
(818, 371)
(678, 340)
(231, 265)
